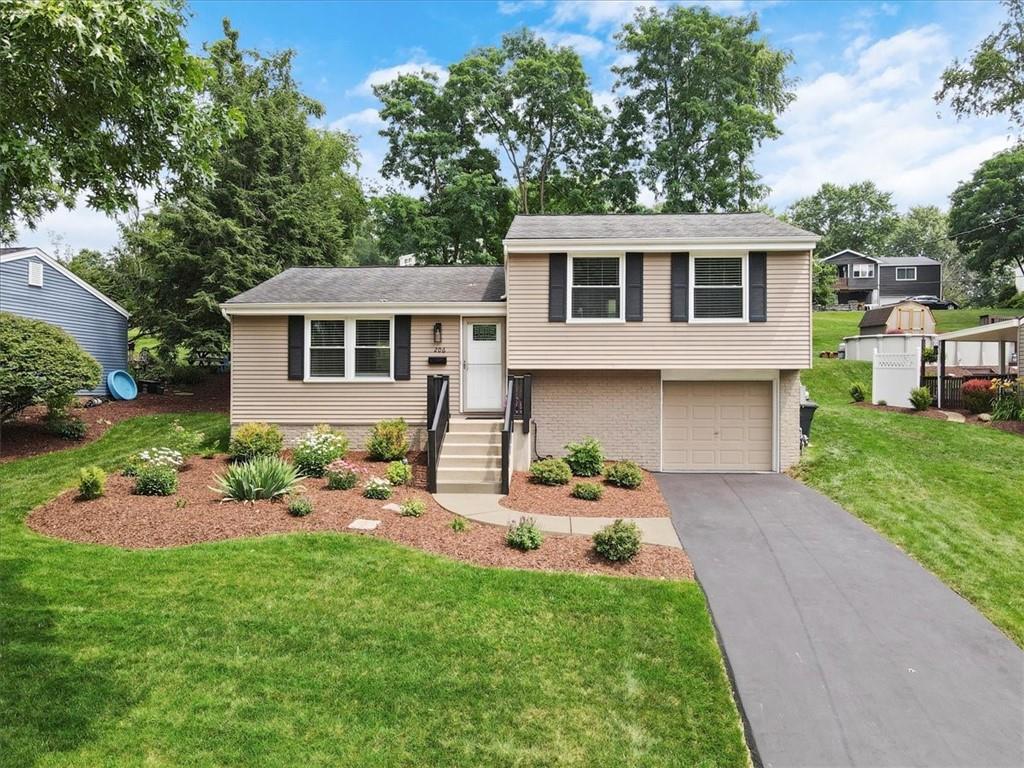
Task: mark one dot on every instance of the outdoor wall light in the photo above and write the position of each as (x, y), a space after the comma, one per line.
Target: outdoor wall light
(437, 333)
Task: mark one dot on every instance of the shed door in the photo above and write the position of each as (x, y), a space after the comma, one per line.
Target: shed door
(717, 426)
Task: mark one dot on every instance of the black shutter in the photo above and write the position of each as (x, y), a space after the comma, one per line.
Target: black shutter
(680, 312)
(757, 311)
(403, 345)
(557, 263)
(634, 287)
(296, 347)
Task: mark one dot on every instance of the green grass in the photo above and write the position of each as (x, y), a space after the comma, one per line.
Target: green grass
(831, 327)
(335, 650)
(951, 495)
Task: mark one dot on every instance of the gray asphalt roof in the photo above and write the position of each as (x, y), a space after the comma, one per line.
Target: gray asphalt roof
(5, 251)
(315, 285)
(655, 225)
(906, 261)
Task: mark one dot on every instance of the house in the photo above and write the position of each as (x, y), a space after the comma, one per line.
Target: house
(866, 279)
(32, 284)
(905, 317)
(675, 340)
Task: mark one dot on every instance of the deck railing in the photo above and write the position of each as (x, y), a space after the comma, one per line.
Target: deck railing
(438, 418)
(952, 387)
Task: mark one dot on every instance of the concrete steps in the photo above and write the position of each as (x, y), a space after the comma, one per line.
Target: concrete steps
(471, 457)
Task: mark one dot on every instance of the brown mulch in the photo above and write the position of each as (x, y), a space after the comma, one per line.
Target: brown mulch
(140, 522)
(27, 436)
(645, 501)
(1015, 427)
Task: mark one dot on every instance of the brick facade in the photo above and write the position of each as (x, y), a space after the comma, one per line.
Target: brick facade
(789, 419)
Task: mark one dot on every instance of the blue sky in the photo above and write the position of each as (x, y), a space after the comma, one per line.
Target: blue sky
(865, 73)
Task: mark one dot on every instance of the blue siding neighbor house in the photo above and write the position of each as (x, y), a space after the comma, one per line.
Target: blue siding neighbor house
(34, 285)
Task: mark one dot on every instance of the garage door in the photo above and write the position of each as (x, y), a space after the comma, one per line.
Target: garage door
(717, 425)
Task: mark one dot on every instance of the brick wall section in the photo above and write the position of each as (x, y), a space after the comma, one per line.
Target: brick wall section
(789, 419)
(620, 408)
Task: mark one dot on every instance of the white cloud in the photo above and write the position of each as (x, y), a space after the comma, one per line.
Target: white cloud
(76, 228)
(605, 13)
(584, 45)
(368, 118)
(507, 8)
(386, 75)
(805, 38)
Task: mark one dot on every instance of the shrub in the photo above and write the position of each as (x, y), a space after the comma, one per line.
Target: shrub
(921, 398)
(184, 375)
(377, 488)
(67, 427)
(187, 442)
(618, 542)
(255, 439)
(929, 355)
(161, 457)
(265, 477)
(587, 491)
(317, 449)
(977, 394)
(388, 441)
(156, 480)
(91, 482)
(300, 506)
(624, 474)
(585, 458)
(857, 393)
(39, 362)
(1009, 401)
(341, 479)
(413, 508)
(524, 535)
(459, 524)
(883, 403)
(550, 472)
(399, 473)
(132, 466)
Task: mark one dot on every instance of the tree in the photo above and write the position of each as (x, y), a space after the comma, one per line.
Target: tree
(100, 97)
(991, 82)
(93, 267)
(860, 217)
(285, 195)
(699, 95)
(823, 286)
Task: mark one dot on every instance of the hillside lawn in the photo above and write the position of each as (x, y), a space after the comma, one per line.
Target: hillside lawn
(334, 649)
(951, 495)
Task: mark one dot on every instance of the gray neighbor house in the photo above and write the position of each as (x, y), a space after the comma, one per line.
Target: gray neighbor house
(884, 280)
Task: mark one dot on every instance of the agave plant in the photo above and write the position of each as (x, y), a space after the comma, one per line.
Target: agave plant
(264, 477)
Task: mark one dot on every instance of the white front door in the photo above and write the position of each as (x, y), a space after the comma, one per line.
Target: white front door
(481, 368)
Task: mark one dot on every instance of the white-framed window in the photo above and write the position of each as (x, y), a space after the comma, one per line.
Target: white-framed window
(863, 270)
(349, 349)
(596, 288)
(906, 273)
(718, 288)
(35, 274)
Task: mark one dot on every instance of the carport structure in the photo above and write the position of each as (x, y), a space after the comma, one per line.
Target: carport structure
(1004, 333)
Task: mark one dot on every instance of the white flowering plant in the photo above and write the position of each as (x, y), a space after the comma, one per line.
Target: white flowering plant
(317, 449)
(377, 488)
(161, 457)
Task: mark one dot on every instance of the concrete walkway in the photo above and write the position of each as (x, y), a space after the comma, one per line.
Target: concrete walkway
(484, 508)
(844, 650)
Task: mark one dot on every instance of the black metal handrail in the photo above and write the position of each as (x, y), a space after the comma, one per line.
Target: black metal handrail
(438, 418)
(506, 433)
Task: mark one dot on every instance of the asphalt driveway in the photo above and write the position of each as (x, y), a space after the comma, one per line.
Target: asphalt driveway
(844, 651)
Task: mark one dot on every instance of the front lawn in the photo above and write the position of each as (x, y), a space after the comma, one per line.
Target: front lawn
(328, 649)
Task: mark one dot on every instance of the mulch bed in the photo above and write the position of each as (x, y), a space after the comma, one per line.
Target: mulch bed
(1014, 427)
(645, 501)
(140, 522)
(27, 436)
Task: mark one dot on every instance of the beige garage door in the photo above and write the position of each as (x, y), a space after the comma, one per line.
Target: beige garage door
(717, 425)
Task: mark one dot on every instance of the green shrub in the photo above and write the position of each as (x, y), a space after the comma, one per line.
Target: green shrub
(377, 488)
(1009, 401)
(388, 441)
(399, 473)
(618, 542)
(587, 491)
(187, 442)
(67, 427)
(977, 395)
(155, 480)
(550, 472)
(39, 363)
(585, 458)
(929, 355)
(265, 477)
(132, 466)
(624, 474)
(921, 398)
(91, 482)
(459, 524)
(317, 449)
(857, 393)
(300, 506)
(255, 439)
(413, 508)
(341, 479)
(524, 535)
(184, 375)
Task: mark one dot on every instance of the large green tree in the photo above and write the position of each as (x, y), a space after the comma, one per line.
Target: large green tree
(859, 216)
(699, 94)
(285, 195)
(99, 97)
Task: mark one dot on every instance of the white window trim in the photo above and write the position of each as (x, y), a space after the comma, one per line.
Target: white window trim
(350, 351)
(622, 289)
(744, 270)
(913, 271)
(869, 267)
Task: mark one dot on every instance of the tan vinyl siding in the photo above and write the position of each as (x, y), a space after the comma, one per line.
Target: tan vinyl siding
(261, 391)
(784, 341)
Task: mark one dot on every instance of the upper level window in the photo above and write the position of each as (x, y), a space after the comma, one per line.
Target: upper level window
(863, 270)
(349, 348)
(906, 273)
(595, 292)
(718, 288)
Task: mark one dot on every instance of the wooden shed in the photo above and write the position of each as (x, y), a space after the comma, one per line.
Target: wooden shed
(905, 317)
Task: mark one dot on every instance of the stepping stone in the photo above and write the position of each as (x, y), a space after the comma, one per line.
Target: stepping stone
(392, 507)
(361, 524)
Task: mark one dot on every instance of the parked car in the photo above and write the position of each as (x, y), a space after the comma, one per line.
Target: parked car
(934, 302)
